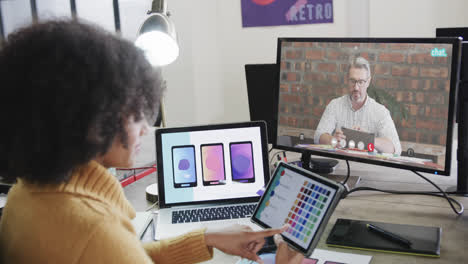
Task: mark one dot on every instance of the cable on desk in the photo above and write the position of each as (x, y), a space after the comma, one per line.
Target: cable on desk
(346, 191)
(436, 194)
(443, 194)
(270, 150)
(440, 194)
(348, 175)
(151, 206)
(137, 168)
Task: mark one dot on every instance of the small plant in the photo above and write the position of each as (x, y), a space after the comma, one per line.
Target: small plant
(397, 109)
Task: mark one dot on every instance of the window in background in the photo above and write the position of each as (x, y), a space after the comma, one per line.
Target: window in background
(50, 9)
(15, 14)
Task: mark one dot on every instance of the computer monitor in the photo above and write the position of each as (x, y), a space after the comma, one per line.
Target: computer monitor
(462, 108)
(458, 32)
(262, 90)
(405, 120)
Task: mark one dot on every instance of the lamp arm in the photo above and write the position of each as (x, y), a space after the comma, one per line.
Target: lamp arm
(158, 6)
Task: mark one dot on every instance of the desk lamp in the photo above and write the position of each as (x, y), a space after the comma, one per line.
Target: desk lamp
(157, 36)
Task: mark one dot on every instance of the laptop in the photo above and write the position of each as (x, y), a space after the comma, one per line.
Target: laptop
(210, 175)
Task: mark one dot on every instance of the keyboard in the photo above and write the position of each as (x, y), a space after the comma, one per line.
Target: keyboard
(213, 213)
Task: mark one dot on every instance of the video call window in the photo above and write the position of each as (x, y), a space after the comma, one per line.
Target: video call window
(382, 101)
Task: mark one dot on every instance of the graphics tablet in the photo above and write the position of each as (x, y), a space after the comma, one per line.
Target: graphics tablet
(302, 199)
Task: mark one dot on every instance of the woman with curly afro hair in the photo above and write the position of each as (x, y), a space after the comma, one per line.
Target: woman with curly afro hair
(76, 100)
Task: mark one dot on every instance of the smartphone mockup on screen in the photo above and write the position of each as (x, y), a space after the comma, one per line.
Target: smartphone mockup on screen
(183, 166)
(213, 170)
(242, 166)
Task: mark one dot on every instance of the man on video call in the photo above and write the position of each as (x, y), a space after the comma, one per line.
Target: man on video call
(358, 111)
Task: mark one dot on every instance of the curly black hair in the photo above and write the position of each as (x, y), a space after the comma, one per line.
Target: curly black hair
(68, 89)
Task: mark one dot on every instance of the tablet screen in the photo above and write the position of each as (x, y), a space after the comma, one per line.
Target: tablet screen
(298, 198)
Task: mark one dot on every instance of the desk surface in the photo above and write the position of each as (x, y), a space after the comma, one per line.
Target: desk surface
(372, 206)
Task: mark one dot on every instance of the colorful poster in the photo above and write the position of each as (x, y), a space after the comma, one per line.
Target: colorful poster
(257, 13)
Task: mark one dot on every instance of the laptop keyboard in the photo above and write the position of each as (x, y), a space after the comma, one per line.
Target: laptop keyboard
(212, 214)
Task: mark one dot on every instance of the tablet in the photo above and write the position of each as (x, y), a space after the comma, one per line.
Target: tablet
(359, 136)
(302, 199)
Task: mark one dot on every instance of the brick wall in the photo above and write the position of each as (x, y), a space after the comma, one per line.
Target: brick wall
(312, 74)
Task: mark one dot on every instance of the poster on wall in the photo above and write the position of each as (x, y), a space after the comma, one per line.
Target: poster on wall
(259, 13)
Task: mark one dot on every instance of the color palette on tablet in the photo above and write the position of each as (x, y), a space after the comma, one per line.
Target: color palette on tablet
(296, 200)
(307, 210)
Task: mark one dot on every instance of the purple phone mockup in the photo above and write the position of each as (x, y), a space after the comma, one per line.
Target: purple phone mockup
(242, 165)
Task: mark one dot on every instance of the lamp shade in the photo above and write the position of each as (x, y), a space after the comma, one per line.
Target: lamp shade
(157, 38)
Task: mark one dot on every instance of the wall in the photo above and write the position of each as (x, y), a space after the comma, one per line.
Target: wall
(415, 18)
(207, 82)
(194, 92)
(214, 50)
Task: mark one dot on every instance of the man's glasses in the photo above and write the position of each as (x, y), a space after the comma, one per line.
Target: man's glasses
(360, 83)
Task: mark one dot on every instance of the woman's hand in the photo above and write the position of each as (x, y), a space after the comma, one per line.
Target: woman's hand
(285, 254)
(240, 240)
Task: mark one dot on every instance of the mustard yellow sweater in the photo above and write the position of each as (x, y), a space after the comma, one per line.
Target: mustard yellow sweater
(86, 220)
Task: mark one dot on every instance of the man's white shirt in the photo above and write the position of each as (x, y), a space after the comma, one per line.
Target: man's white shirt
(372, 117)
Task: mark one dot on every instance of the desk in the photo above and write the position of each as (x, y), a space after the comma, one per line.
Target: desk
(415, 210)
(403, 209)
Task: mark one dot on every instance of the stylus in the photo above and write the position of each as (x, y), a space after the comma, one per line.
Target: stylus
(388, 235)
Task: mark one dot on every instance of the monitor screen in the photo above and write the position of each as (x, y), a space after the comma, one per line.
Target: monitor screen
(200, 164)
(381, 101)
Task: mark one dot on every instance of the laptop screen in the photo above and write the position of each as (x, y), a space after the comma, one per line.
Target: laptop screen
(211, 164)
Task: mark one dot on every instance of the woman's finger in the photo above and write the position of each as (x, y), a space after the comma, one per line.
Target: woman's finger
(251, 245)
(278, 239)
(269, 232)
(258, 246)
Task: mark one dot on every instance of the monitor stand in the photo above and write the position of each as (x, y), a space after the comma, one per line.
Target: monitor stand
(324, 167)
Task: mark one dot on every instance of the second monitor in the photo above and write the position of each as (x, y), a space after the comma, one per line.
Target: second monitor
(262, 90)
(398, 93)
